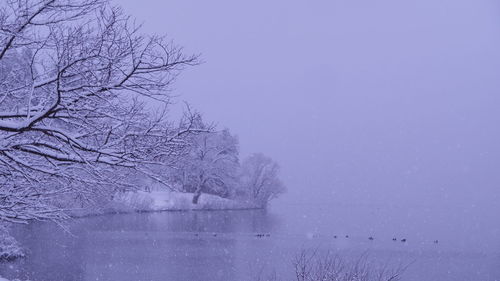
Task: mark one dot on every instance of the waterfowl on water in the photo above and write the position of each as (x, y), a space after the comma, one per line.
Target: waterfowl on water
(370, 238)
(403, 240)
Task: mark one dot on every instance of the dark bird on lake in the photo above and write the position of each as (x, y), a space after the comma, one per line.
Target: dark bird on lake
(215, 234)
(436, 241)
(394, 239)
(371, 238)
(347, 236)
(335, 236)
(403, 240)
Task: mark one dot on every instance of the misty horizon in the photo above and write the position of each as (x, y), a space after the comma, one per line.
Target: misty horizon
(361, 101)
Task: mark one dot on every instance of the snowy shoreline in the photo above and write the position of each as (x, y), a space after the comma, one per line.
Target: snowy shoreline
(165, 201)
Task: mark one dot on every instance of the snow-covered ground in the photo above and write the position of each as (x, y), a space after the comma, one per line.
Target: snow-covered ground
(9, 247)
(5, 279)
(176, 201)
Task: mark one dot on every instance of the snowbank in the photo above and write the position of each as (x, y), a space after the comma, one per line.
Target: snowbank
(4, 279)
(177, 201)
(9, 247)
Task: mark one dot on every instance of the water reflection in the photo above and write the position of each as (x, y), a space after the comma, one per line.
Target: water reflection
(225, 245)
(142, 246)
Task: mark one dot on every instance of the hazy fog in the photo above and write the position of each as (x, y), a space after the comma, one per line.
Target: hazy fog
(392, 102)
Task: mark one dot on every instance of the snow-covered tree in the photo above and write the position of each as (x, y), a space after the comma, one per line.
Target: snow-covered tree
(210, 166)
(75, 80)
(259, 180)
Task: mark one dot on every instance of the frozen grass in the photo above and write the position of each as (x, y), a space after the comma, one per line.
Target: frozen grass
(177, 201)
(312, 266)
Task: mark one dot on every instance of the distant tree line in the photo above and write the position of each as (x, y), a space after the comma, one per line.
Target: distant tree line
(212, 165)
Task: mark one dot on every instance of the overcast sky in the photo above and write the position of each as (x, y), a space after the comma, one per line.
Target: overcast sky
(362, 101)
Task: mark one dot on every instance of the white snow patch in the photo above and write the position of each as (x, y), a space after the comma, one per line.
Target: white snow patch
(9, 247)
(177, 201)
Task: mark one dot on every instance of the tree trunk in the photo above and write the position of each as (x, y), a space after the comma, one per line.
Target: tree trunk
(197, 193)
(196, 197)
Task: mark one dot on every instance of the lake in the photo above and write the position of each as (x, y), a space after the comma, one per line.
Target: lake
(224, 245)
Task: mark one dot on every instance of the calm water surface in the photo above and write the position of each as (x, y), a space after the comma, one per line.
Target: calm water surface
(223, 245)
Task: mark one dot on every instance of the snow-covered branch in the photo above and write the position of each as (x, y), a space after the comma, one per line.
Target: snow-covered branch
(75, 78)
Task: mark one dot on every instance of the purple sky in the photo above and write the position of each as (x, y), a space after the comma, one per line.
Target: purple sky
(384, 101)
